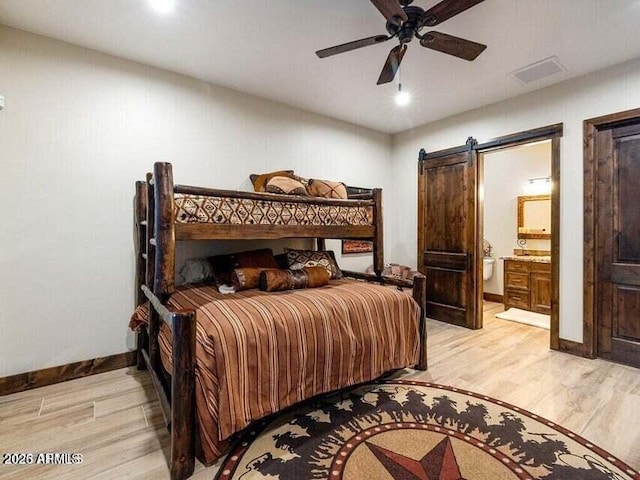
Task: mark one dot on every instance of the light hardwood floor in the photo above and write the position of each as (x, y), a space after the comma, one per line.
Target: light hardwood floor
(114, 420)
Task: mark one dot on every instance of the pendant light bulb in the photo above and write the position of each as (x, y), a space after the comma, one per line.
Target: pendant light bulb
(402, 97)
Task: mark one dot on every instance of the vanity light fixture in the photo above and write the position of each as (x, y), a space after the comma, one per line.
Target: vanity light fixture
(538, 186)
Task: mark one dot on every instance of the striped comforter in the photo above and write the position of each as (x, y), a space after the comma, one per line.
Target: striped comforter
(258, 353)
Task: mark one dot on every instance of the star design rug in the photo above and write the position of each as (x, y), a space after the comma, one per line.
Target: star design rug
(408, 430)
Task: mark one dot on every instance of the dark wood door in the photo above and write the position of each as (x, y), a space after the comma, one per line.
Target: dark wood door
(447, 214)
(618, 244)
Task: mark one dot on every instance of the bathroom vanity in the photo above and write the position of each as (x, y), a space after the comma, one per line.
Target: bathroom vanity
(527, 283)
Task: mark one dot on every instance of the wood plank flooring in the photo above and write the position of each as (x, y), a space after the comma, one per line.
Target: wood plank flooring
(114, 420)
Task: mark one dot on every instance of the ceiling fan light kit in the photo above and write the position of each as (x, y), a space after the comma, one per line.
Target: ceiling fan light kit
(402, 97)
(405, 22)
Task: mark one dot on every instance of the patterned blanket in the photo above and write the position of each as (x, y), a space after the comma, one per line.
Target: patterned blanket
(245, 211)
(258, 353)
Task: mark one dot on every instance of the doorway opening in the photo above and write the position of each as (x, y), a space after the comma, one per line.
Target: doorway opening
(529, 274)
(515, 193)
(451, 191)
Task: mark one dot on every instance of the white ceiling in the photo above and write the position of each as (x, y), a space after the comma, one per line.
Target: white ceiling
(266, 48)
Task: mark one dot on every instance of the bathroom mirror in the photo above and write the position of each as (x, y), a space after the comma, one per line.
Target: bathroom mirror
(534, 217)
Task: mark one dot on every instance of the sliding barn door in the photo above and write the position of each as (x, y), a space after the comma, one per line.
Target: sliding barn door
(447, 199)
(618, 244)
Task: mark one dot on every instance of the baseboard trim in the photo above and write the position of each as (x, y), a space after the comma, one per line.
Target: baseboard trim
(571, 347)
(493, 297)
(62, 373)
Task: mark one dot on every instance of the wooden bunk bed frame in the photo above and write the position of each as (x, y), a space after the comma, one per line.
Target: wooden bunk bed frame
(156, 236)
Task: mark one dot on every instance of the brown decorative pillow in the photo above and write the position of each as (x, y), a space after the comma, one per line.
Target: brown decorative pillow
(326, 189)
(223, 265)
(260, 181)
(298, 259)
(279, 280)
(245, 278)
(286, 186)
(281, 260)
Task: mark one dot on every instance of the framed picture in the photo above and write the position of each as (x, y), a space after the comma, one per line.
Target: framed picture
(356, 246)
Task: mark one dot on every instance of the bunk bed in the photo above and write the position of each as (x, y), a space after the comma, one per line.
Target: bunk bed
(166, 213)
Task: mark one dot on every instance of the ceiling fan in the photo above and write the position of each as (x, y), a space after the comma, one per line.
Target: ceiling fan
(405, 22)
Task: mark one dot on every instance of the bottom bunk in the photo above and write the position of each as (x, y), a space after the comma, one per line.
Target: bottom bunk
(257, 353)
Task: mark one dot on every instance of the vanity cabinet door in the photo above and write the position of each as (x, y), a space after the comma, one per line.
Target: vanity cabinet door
(541, 292)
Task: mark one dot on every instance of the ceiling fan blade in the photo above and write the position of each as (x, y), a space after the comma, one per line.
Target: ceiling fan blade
(458, 47)
(391, 10)
(393, 64)
(445, 10)
(346, 47)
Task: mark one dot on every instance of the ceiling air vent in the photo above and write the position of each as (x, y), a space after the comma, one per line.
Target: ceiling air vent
(539, 70)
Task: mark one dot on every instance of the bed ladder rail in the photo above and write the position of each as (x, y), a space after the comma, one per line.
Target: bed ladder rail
(145, 214)
(140, 226)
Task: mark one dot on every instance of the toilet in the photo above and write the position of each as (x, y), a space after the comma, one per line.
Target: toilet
(487, 267)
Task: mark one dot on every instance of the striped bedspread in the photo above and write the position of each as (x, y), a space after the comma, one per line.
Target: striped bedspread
(258, 353)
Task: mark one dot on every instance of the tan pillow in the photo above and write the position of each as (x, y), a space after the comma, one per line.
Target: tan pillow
(279, 280)
(286, 186)
(326, 189)
(298, 259)
(260, 181)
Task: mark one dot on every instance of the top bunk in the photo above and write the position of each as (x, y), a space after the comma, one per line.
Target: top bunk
(197, 213)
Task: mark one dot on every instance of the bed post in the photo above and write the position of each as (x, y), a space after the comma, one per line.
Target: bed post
(378, 241)
(140, 222)
(183, 396)
(164, 236)
(183, 327)
(419, 295)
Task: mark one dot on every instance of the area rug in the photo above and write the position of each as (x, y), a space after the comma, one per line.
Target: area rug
(415, 431)
(524, 316)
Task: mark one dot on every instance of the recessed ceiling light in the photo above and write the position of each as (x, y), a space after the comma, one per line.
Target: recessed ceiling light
(162, 6)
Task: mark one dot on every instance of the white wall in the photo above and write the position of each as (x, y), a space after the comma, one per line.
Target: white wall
(505, 178)
(611, 90)
(78, 129)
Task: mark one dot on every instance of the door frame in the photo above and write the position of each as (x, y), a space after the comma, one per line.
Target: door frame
(591, 128)
(553, 133)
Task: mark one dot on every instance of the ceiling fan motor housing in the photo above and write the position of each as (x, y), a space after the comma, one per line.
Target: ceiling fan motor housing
(407, 30)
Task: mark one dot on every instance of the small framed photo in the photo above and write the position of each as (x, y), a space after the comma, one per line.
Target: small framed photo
(356, 246)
